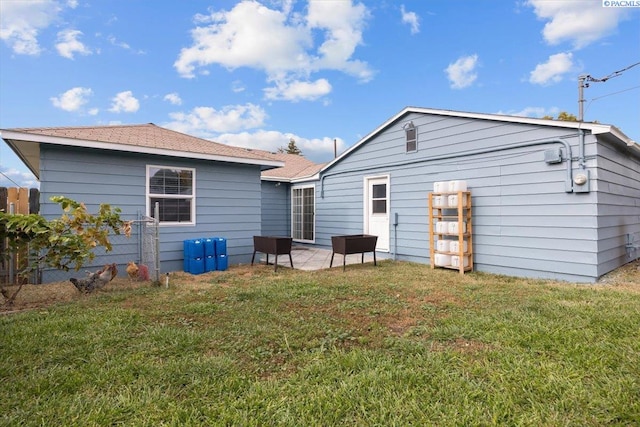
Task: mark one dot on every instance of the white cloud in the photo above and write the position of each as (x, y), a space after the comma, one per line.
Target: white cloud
(410, 18)
(173, 98)
(237, 86)
(553, 70)
(73, 99)
(10, 177)
(278, 42)
(207, 121)
(581, 22)
(124, 102)
(343, 24)
(123, 45)
(314, 149)
(21, 21)
(462, 73)
(298, 90)
(68, 44)
(535, 112)
(249, 35)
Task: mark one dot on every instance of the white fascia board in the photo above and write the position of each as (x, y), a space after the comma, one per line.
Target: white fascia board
(54, 140)
(274, 179)
(594, 128)
(314, 177)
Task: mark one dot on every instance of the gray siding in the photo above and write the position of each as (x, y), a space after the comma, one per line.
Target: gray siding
(227, 198)
(618, 214)
(525, 224)
(276, 209)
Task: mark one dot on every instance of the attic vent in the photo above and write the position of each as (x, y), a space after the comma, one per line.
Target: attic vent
(411, 135)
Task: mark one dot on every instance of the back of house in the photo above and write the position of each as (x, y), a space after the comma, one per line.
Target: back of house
(550, 199)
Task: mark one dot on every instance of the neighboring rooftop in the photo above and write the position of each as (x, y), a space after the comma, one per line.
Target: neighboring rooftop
(296, 166)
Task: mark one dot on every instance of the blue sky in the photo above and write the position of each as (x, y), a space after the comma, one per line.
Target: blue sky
(257, 73)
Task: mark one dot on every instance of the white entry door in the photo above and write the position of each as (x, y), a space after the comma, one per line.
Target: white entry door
(376, 210)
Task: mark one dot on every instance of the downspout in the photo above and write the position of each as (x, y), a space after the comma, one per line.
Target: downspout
(568, 183)
(395, 237)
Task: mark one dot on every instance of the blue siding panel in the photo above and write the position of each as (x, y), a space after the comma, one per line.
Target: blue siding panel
(228, 199)
(276, 209)
(525, 224)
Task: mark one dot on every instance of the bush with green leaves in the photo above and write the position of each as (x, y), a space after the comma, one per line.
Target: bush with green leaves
(65, 242)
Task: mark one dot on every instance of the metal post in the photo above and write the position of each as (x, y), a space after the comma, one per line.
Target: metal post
(581, 80)
(12, 255)
(156, 223)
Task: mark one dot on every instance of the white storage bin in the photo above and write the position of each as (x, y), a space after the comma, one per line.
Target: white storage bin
(452, 201)
(443, 245)
(440, 187)
(455, 186)
(440, 201)
(455, 261)
(442, 259)
(453, 227)
(442, 227)
(454, 246)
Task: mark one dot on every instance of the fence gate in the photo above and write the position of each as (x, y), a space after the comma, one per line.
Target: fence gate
(149, 246)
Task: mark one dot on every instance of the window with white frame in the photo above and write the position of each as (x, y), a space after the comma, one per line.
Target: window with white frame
(411, 135)
(174, 191)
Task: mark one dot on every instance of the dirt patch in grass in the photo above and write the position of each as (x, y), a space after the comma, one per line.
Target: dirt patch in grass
(625, 278)
(40, 296)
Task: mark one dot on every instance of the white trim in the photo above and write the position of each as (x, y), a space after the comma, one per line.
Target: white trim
(55, 140)
(365, 205)
(595, 128)
(148, 195)
(303, 187)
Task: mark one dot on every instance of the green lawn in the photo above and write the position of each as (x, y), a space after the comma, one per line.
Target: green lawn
(395, 345)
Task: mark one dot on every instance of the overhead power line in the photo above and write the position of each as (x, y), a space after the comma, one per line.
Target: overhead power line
(585, 79)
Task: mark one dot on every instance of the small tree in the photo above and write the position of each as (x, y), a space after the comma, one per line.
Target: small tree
(292, 148)
(563, 116)
(64, 242)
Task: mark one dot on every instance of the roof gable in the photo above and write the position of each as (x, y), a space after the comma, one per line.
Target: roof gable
(594, 128)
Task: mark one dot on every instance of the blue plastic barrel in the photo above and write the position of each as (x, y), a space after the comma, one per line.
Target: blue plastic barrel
(196, 265)
(194, 248)
(210, 264)
(221, 246)
(222, 263)
(209, 247)
(193, 256)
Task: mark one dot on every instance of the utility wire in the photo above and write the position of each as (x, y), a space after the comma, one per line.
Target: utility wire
(615, 93)
(589, 78)
(2, 173)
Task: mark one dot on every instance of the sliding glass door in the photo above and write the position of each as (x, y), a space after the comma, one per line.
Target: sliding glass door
(303, 214)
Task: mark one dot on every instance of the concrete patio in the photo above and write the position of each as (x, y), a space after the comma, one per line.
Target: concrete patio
(313, 258)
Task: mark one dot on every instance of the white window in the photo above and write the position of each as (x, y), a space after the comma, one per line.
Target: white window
(411, 135)
(174, 191)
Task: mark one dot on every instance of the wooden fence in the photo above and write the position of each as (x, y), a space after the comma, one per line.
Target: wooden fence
(15, 201)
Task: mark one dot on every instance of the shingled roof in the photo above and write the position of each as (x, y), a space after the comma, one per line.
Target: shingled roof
(296, 166)
(142, 138)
